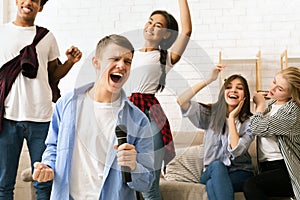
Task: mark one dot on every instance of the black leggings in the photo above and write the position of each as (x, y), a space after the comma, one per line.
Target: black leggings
(272, 181)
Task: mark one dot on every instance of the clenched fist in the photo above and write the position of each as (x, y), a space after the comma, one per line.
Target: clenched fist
(42, 173)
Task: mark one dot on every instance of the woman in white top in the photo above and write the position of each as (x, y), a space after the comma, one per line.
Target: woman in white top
(278, 131)
(149, 68)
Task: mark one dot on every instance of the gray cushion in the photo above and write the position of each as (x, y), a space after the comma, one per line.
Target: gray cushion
(186, 166)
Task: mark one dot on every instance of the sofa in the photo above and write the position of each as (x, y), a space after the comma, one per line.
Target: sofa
(187, 145)
(181, 178)
(182, 174)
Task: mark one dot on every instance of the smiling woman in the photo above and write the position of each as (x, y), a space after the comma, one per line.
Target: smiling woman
(227, 134)
(150, 66)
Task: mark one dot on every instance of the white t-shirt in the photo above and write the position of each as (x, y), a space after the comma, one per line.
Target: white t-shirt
(145, 72)
(96, 126)
(28, 99)
(268, 149)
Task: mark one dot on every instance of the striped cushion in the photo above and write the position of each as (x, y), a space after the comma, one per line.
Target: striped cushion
(186, 166)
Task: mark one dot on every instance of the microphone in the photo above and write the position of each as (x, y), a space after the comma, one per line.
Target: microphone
(121, 133)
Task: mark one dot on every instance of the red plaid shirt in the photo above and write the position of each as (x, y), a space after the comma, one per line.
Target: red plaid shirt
(150, 103)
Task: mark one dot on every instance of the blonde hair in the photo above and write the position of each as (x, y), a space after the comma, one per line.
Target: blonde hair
(292, 76)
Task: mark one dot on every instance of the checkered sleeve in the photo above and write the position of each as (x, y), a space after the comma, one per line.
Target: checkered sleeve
(281, 123)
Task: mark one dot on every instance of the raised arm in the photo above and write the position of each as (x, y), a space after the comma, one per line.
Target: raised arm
(259, 101)
(184, 99)
(186, 31)
(56, 70)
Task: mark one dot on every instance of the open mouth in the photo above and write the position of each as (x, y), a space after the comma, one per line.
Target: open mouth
(26, 10)
(148, 32)
(116, 77)
(233, 96)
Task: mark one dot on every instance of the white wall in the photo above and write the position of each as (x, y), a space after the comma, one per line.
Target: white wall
(3, 11)
(238, 28)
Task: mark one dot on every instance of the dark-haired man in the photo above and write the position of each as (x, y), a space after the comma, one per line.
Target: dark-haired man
(28, 63)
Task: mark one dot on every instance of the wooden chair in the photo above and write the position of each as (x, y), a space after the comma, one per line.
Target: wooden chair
(286, 60)
(255, 61)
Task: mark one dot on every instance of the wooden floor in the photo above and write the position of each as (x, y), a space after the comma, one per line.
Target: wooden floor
(23, 189)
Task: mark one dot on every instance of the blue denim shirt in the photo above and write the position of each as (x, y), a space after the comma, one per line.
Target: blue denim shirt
(60, 143)
(216, 145)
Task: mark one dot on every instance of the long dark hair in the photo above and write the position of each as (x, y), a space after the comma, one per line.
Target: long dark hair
(219, 108)
(165, 44)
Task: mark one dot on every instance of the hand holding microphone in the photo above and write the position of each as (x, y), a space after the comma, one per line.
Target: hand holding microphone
(126, 153)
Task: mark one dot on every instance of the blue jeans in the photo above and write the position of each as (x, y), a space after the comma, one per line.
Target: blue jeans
(154, 192)
(220, 183)
(11, 143)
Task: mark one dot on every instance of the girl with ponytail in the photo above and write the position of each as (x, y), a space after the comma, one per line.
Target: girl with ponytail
(150, 66)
